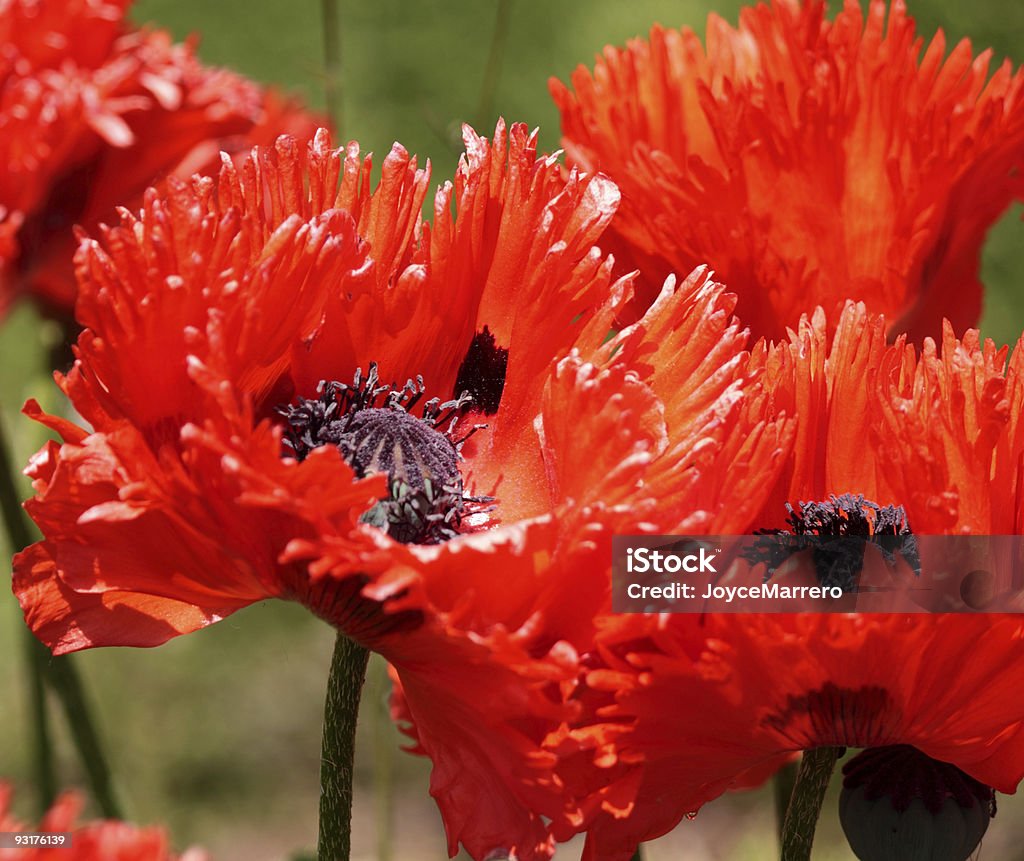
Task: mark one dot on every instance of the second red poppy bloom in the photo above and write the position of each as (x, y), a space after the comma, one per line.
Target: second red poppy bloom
(808, 161)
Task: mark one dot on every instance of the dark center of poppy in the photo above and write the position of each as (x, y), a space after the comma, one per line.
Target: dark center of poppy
(385, 440)
(848, 514)
(837, 532)
(371, 425)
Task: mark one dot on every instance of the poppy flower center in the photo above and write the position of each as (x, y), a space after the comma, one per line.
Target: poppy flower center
(371, 425)
(837, 532)
(392, 441)
(848, 514)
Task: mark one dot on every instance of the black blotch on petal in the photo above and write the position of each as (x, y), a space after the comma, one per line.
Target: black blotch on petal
(482, 372)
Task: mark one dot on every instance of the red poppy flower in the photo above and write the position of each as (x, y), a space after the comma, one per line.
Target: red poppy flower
(936, 431)
(701, 707)
(808, 161)
(92, 112)
(244, 446)
(107, 840)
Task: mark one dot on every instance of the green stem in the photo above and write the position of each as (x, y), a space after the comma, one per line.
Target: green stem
(67, 684)
(341, 710)
(18, 530)
(812, 779)
(36, 656)
(332, 64)
(59, 673)
(494, 60)
(637, 856)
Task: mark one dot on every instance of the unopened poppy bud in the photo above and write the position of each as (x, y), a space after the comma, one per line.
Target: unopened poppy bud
(899, 805)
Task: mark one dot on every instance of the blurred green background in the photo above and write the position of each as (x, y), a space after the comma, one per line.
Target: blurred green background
(217, 734)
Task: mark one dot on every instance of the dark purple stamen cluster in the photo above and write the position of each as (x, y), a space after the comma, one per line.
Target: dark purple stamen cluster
(430, 515)
(837, 532)
(371, 425)
(315, 423)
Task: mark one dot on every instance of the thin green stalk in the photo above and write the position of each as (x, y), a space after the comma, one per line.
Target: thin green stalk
(492, 71)
(637, 856)
(448, 135)
(67, 684)
(341, 711)
(812, 779)
(332, 64)
(36, 657)
(18, 530)
(59, 673)
(43, 768)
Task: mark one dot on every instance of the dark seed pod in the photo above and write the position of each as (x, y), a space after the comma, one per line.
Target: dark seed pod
(899, 805)
(371, 425)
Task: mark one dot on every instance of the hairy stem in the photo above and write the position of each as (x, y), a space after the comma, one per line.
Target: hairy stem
(812, 779)
(341, 710)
